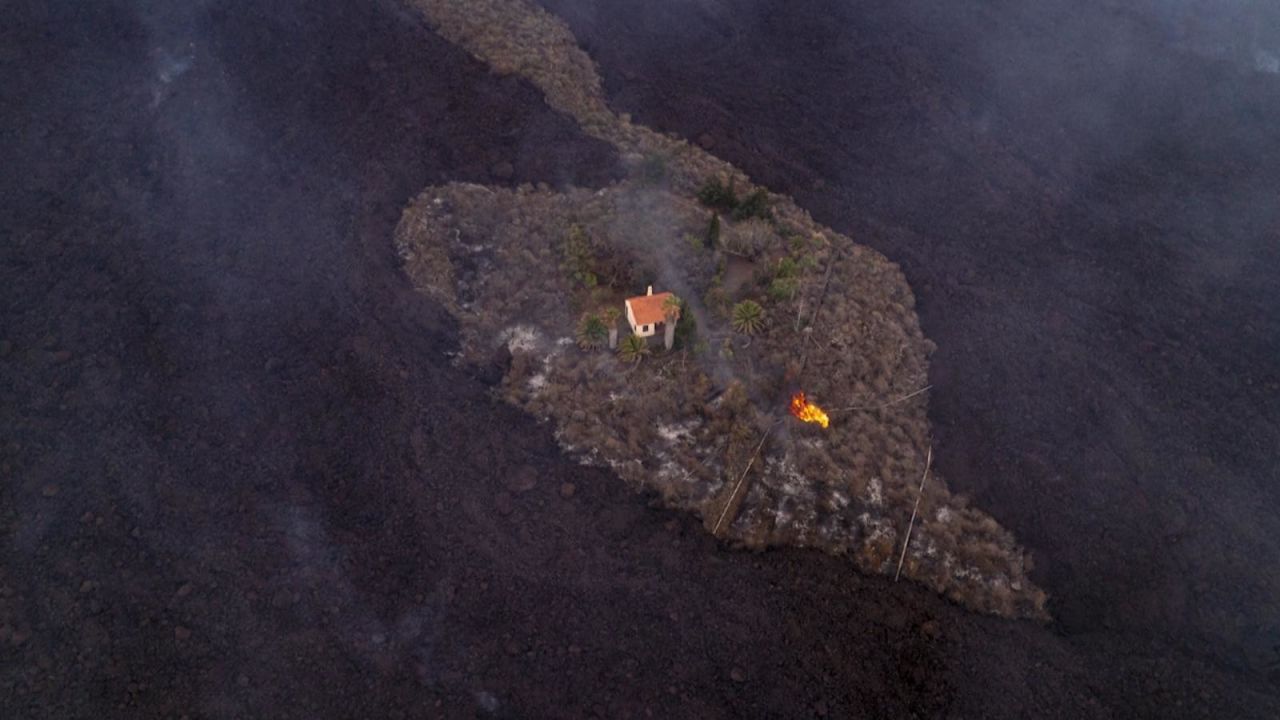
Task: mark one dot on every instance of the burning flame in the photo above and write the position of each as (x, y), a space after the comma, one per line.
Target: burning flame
(807, 411)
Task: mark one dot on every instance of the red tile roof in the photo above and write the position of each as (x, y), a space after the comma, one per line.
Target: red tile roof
(647, 309)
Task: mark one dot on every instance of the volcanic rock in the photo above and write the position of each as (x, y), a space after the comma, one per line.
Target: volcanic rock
(502, 170)
(503, 503)
(522, 480)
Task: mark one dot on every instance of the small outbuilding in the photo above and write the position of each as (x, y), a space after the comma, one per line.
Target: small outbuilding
(645, 313)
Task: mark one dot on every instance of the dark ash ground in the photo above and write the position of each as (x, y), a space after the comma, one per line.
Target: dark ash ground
(241, 477)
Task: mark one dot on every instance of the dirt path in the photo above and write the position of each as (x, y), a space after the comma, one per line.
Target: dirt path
(241, 477)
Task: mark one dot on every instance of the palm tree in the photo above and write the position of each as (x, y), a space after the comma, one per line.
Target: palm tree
(670, 314)
(592, 332)
(748, 317)
(611, 316)
(633, 349)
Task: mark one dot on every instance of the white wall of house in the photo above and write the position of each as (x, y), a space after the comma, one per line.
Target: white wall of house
(641, 330)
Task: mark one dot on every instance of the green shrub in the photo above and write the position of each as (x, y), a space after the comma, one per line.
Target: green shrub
(578, 259)
(786, 279)
(786, 268)
(686, 328)
(592, 332)
(783, 288)
(717, 195)
(633, 349)
(748, 317)
(755, 206)
(712, 238)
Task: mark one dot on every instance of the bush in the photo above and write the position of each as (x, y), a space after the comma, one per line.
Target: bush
(717, 195)
(578, 260)
(633, 349)
(712, 238)
(786, 280)
(748, 317)
(786, 268)
(783, 288)
(686, 328)
(717, 300)
(748, 239)
(755, 206)
(592, 332)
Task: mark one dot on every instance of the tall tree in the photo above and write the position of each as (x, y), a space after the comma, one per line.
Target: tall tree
(671, 308)
(579, 259)
(611, 315)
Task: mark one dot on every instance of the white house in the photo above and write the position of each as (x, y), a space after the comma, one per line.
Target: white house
(645, 312)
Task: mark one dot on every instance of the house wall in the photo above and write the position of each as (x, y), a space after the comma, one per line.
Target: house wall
(639, 329)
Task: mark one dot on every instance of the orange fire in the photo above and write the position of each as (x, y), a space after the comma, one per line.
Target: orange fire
(807, 411)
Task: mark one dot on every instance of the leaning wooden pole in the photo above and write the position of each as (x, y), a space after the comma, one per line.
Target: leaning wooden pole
(928, 461)
(817, 310)
(733, 496)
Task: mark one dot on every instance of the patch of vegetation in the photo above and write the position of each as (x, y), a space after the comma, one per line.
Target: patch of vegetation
(590, 261)
(592, 332)
(717, 300)
(783, 288)
(718, 196)
(633, 349)
(756, 205)
(610, 317)
(748, 317)
(578, 257)
(749, 239)
(786, 280)
(687, 329)
(672, 307)
(711, 238)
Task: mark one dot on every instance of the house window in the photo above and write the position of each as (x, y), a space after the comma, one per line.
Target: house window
(644, 328)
